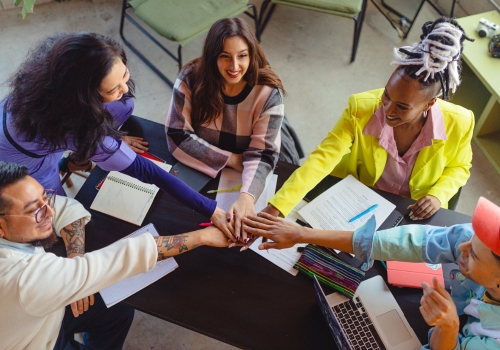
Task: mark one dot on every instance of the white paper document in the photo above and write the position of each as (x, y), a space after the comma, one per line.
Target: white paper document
(333, 209)
(294, 215)
(230, 178)
(284, 258)
(164, 166)
(123, 289)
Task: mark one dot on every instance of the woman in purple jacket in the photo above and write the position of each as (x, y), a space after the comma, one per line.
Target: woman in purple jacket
(71, 93)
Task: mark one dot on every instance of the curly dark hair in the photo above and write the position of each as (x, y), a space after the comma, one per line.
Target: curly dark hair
(435, 61)
(55, 95)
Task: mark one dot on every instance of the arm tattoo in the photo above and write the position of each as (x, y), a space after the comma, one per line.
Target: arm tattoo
(167, 243)
(75, 237)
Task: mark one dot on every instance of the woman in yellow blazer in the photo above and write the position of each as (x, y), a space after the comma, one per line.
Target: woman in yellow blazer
(425, 71)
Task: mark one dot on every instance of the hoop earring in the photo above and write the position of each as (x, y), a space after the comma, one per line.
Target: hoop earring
(425, 113)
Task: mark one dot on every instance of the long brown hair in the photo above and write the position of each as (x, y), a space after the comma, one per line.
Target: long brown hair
(207, 103)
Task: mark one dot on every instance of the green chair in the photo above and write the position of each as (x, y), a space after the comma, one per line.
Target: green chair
(453, 202)
(354, 9)
(180, 21)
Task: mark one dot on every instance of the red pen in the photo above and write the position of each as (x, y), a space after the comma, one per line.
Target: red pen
(151, 156)
(206, 224)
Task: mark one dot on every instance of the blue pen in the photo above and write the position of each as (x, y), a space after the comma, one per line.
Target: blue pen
(372, 208)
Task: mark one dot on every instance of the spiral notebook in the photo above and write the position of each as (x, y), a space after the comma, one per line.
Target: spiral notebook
(125, 197)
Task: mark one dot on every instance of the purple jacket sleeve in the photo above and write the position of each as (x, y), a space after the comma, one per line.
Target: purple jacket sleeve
(121, 110)
(146, 171)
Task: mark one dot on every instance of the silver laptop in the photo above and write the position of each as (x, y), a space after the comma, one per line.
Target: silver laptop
(371, 320)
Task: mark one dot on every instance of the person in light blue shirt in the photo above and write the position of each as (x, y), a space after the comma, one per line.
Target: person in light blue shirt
(474, 247)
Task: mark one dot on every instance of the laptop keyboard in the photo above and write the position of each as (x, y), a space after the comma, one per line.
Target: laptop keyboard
(357, 325)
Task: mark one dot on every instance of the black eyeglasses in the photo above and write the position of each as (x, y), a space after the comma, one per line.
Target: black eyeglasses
(41, 212)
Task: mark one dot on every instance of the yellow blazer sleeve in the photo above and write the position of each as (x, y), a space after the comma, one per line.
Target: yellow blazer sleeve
(457, 154)
(320, 162)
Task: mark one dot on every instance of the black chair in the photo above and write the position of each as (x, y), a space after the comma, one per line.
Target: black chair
(452, 203)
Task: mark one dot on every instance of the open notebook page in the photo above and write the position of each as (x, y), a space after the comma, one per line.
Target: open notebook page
(123, 289)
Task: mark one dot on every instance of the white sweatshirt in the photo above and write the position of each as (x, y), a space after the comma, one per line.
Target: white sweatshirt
(36, 286)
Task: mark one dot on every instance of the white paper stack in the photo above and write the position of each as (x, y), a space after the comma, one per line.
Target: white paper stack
(123, 289)
(231, 178)
(284, 258)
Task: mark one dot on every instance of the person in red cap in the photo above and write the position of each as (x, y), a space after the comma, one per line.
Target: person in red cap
(474, 247)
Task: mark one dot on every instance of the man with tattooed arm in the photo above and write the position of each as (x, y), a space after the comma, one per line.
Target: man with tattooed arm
(45, 299)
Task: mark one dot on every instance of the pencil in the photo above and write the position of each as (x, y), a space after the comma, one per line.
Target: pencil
(230, 189)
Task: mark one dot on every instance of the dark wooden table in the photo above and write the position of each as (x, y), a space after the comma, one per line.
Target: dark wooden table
(238, 298)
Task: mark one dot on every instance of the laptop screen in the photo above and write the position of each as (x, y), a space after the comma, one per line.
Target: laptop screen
(327, 312)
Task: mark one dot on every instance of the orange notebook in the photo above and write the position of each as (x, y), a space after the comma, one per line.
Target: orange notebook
(412, 275)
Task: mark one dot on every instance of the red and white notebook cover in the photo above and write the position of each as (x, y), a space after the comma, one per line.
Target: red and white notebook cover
(406, 274)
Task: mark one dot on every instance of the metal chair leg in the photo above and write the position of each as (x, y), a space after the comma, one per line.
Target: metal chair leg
(255, 18)
(179, 54)
(452, 12)
(125, 6)
(263, 9)
(358, 24)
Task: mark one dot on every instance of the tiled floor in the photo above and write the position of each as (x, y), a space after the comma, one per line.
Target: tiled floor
(310, 51)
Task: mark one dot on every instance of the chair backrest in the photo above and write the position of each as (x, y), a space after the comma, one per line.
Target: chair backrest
(183, 20)
(344, 8)
(452, 203)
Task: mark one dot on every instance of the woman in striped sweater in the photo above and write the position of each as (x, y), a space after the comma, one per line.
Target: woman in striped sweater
(227, 110)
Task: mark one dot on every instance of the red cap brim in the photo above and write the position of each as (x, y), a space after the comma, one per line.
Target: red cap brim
(486, 224)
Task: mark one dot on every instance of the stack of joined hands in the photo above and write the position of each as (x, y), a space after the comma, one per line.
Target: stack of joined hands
(244, 230)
